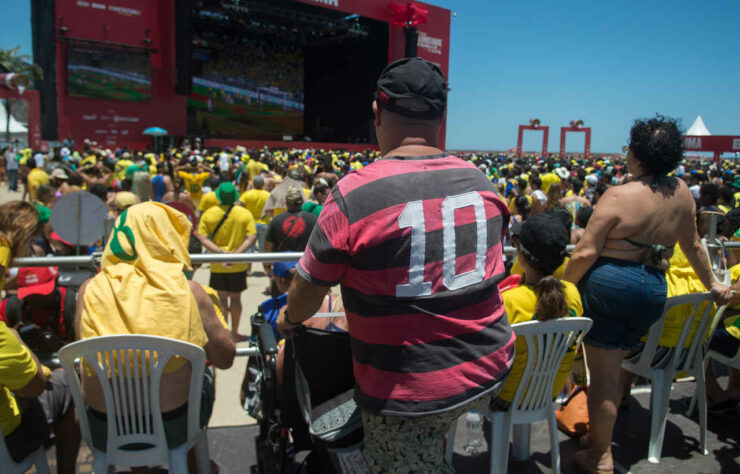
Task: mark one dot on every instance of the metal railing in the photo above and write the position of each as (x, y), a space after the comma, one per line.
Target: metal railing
(94, 259)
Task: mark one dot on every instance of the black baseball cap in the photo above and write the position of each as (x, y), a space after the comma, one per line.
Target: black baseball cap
(413, 78)
(544, 238)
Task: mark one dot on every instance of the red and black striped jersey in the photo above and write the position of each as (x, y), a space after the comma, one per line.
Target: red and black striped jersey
(416, 243)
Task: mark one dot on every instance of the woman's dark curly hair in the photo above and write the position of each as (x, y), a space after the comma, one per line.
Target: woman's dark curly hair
(657, 143)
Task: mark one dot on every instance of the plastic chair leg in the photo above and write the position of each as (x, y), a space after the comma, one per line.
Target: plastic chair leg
(660, 395)
(701, 394)
(39, 460)
(554, 445)
(201, 455)
(500, 433)
(100, 463)
(450, 442)
(178, 460)
(520, 441)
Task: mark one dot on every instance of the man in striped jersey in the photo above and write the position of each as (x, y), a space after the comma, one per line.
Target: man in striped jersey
(415, 239)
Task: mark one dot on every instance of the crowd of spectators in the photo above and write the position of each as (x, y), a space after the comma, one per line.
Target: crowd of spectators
(237, 200)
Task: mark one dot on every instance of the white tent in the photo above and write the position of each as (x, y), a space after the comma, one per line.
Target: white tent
(698, 129)
(17, 129)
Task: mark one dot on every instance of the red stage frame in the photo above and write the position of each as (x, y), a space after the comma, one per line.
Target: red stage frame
(545, 136)
(587, 145)
(716, 144)
(151, 24)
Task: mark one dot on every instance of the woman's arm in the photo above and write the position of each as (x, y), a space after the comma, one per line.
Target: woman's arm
(691, 246)
(589, 248)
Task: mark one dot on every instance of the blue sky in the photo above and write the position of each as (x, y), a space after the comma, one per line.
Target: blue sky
(606, 63)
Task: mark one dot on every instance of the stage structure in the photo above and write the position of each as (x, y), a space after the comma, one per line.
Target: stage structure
(13, 86)
(717, 144)
(576, 126)
(237, 71)
(534, 124)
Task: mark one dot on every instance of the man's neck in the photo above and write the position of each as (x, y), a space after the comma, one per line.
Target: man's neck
(413, 149)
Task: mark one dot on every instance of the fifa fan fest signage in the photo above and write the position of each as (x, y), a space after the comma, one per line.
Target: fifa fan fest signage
(716, 144)
(576, 126)
(534, 124)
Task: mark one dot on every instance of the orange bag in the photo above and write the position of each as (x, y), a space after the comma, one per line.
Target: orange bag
(572, 416)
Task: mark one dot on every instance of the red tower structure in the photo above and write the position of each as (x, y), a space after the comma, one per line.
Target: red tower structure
(576, 126)
(534, 124)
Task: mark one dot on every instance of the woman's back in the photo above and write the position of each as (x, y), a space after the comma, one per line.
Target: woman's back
(636, 212)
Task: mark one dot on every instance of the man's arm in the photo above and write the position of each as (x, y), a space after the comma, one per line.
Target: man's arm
(304, 300)
(247, 244)
(208, 243)
(168, 184)
(220, 348)
(692, 247)
(267, 265)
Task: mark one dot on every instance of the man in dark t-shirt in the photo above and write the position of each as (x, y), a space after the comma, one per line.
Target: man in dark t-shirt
(290, 230)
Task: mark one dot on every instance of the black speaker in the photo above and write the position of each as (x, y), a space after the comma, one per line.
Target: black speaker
(184, 46)
(44, 54)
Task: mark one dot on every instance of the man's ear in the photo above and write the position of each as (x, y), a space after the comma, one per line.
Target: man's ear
(376, 113)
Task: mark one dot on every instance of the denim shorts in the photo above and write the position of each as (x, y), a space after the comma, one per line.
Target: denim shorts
(624, 299)
(724, 342)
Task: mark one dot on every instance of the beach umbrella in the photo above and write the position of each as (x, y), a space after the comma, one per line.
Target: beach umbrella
(155, 131)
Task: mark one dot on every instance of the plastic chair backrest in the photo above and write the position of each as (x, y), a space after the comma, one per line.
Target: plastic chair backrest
(547, 344)
(129, 369)
(691, 342)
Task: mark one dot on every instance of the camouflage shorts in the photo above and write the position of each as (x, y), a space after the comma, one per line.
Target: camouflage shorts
(409, 445)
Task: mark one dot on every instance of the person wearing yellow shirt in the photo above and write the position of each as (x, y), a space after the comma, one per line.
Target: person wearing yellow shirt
(36, 177)
(208, 200)
(548, 179)
(254, 201)
(255, 167)
(228, 228)
(142, 289)
(541, 249)
(194, 175)
(122, 165)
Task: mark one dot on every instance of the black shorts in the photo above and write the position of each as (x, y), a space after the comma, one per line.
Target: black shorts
(38, 416)
(232, 282)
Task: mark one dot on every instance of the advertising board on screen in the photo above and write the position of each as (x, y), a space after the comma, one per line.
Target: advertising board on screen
(103, 72)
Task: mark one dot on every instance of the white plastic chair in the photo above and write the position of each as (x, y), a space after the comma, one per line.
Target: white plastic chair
(689, 359)
(130, 386)
(36, 458)
(547, 344)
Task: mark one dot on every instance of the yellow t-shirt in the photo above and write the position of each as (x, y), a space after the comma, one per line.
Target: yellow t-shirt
(681, 280)
(194, 183)
(4, 261)
(254, 200)
(254, 168)
(516, 268)
(547, 181)
(208, 201)
(732, 325)
(120, 168)
(17, 368)
(36, 177)
(231, 235)
(520, 303)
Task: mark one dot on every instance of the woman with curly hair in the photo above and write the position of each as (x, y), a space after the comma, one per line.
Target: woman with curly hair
(619, 266)
(19, 224)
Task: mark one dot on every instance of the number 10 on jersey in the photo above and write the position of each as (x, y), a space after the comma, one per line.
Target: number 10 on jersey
(413, 216)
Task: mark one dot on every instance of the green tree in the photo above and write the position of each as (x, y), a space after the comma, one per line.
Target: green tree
(12, 61)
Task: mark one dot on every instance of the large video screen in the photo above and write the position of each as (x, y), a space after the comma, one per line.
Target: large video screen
(248, 84)
(101, 72)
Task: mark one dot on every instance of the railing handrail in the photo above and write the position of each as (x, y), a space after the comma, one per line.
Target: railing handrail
(94, 259)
